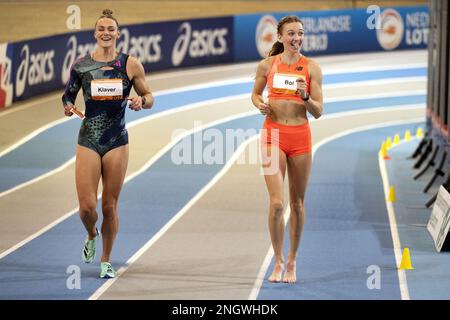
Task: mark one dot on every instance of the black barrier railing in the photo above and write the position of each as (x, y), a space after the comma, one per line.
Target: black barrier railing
(420, 147)
(424, 155)
(437, 98)
(437, 173)
(430, 163)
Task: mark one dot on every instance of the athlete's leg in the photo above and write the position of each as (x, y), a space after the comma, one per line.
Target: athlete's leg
(114, 166)
(299, 168)
(87, 176)
(274, 181)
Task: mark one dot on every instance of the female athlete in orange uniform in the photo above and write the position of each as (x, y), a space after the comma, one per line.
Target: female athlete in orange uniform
(295, 87)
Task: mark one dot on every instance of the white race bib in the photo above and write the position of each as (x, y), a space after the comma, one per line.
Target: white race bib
(285, 83)
(107, 89)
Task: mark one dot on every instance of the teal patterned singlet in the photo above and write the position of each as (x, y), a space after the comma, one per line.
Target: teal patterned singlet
(106, 87)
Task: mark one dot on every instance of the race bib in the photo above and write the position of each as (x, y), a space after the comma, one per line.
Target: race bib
(106, 89)
(285, 83)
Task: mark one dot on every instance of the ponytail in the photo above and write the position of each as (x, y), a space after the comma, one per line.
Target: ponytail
(277, 48)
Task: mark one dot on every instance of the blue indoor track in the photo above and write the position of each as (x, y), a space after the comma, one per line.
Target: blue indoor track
(347, 227)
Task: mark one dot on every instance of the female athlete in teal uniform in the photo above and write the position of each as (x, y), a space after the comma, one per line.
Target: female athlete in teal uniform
(106, 77)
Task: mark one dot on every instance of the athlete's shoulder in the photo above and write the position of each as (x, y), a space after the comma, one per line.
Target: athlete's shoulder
(83, 59)
(134, 67)
(312, 62)
(266, 63)
(133, 60)
(134, 63)
(81, 63)
(314, 68)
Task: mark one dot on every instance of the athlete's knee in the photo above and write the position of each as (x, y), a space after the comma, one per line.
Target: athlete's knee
(276, 207)
(109, 208)
(297, 206)
(88, 207)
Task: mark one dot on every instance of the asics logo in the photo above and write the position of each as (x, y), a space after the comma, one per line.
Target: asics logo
(147, 48)
(35, 68)
(198, 43)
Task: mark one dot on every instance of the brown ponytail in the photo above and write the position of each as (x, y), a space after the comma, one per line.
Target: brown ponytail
(278, 47)
(107, 13)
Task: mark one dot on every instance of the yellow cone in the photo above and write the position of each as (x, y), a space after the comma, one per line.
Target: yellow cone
(383, 151)
(407, 135)
(391, 197)
(388, 143)
(406, 260)
(419, 133)
(396, 139)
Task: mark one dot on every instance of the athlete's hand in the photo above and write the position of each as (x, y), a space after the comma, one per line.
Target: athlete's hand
(135, 103)
(302, 87)
(67, 111)
(264, 108)
(70, 110)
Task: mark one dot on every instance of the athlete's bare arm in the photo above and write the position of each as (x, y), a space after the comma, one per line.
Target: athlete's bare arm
(260, 84)
(136, 73)
(315, 103)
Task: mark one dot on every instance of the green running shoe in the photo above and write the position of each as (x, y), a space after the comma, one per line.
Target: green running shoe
(107, 270)
(88, 253)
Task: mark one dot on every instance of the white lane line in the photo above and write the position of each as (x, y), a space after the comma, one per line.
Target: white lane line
(380, 95)
(129, 125)
(267, 260)
(375, 68)
(178, 73)
(152, 160)
(404, 291)
(38, 178)
(244, 80)
(198, 105)
(371, 110)
(37, 234)
(208, 85)
(203, 70)
(376, 82)
(154, 77)
(32, 135)
(175, 218)
(156, 94)
(236, 81)
(147, 165)
(12, 108)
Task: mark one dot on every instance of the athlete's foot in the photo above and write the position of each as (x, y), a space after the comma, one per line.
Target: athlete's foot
(290, 275)
(88, 253)
(277, 272)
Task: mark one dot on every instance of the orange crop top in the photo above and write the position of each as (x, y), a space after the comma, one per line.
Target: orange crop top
(283, 77)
